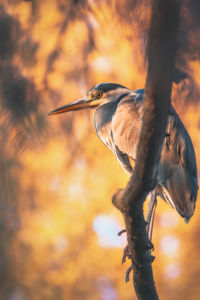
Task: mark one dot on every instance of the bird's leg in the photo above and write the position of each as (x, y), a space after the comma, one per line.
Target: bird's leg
(150, 217)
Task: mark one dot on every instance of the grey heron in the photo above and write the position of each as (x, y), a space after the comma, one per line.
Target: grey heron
(118, 121)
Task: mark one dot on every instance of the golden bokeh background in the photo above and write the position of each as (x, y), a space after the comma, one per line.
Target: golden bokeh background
(58, 228)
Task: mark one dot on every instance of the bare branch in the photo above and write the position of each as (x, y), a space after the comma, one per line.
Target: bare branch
(162, 48)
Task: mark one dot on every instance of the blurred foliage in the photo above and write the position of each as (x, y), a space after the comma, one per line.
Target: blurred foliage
(56, 176)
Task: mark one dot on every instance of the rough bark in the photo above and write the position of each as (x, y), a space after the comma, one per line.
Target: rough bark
(162, 46)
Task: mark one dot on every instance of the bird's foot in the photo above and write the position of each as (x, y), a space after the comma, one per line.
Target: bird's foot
(126, 252)
(128, 271)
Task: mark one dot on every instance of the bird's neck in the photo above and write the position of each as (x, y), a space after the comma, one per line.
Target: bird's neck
(104, 113)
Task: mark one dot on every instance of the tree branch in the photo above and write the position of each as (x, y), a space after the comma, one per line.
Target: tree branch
(162, 46)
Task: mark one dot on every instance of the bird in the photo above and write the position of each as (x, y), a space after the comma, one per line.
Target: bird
(118, 122)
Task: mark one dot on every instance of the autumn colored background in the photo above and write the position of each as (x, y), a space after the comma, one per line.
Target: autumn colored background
(58, 228)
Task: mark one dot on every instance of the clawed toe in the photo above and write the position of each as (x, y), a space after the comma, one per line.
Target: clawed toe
(151, 258)
(150, 246)
(121, 232)
(126, 253)
(128, 271)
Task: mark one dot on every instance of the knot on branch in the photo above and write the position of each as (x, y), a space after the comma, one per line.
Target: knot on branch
(117, 200)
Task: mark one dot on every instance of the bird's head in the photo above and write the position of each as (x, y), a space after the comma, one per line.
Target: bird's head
(95, 97)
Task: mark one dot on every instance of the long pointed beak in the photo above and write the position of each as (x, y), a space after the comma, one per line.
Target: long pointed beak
(77, 105)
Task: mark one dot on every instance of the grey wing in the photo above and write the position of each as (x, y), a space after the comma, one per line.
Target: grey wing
(178, 170)
(126, 124)
(124, 160)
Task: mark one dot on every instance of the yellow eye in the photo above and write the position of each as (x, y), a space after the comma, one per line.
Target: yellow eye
(99, 94)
